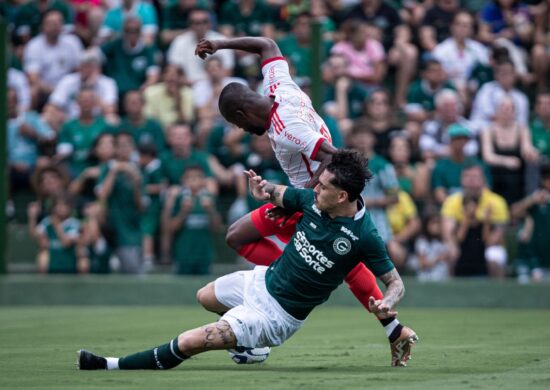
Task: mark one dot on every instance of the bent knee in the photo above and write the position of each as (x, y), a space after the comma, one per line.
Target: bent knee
(206, 296)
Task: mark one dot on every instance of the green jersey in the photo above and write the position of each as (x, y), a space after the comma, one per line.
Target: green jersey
(29, 16)
(124, 216)
(149, 132)
(174, 167)
(128, 67)
(446, 173)
(541, 137)
(79, 138)
(300, 56)
(421, 96)
(246, 25)
(193, 248)
(321, 253)
(152, 175)
(62, 259)
(539, 241)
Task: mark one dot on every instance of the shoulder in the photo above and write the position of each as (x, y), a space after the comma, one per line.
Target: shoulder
(452, 206)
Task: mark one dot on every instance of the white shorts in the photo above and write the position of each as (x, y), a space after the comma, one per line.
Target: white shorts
(256, 317)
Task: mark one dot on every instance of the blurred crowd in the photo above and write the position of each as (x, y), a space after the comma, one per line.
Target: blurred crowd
(114, 126)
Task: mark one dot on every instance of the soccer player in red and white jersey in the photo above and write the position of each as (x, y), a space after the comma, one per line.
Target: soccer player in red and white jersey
(302, 144)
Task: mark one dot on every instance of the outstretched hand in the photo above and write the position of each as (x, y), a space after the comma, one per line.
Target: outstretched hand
(381, 309)
(257, 186)
(205, 47)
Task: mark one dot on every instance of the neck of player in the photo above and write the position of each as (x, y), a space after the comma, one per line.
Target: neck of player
(347, 210)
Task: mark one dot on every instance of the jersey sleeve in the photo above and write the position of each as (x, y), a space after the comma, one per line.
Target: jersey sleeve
(276, 75)
(452, 207)
(300, 139)
(297, 199)
(375, 254)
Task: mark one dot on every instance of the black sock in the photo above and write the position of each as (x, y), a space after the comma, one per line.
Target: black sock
(386, 321)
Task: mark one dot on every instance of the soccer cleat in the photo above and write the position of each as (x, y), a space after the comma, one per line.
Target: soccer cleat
(88, 361)
(401, 348)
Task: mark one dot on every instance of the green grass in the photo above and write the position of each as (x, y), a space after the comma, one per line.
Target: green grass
(336, 349)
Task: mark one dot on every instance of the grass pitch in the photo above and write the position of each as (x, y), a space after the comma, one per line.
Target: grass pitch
(338, 348)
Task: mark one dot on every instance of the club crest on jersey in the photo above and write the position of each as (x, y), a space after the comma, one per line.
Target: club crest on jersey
(341, 245)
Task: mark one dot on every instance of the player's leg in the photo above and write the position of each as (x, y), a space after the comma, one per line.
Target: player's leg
(362, 283)
(217, 335)
(247, 236)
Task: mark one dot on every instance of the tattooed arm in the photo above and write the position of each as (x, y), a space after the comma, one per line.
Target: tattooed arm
(395, 290)
(263, 191)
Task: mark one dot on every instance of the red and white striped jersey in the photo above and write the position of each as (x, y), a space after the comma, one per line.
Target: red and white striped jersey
(296, 131)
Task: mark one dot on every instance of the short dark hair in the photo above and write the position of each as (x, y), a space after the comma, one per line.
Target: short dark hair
(473, 165)
(429, 62)
(545, 169)
(351, 172)
(232, 99)
(148, 149)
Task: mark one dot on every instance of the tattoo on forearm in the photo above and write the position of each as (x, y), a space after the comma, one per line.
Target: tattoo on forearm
(394, 287)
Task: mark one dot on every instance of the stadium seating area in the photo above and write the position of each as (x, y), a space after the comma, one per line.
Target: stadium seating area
(114, 129)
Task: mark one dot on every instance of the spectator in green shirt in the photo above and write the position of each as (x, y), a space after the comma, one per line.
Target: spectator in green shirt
(128, 61)
(296, 46)
(119, 189)
(540, 126)
(78, 135)
(246, 18)
(190, 215)
(58, 235)
(145, 130)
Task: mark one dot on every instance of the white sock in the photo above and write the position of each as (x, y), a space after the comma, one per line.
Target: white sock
(391, 327)
(112, 363)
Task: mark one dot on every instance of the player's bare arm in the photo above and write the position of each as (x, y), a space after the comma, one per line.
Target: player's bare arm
(262, 190)
(395, 290)
(266, 48)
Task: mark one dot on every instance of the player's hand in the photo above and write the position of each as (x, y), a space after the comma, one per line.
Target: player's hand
(206, 47)
(277, 213)
(257, 186)
(380, 308)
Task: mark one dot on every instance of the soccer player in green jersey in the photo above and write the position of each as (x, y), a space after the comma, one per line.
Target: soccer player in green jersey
(267, 305)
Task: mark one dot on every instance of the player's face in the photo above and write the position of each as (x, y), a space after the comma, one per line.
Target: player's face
(327, 195)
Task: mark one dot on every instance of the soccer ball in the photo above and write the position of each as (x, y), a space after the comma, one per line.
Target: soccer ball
(249, 355)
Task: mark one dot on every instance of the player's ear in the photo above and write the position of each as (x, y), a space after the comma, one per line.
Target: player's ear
(343, 196)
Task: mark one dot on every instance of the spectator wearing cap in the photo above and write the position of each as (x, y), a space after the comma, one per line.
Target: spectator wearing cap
(78, 135)
(474, 223)
(129, 61)
(434, 141)
(144, 130)
(447, 170)
(171, 100)
(491, 94)
(50, 56)
(459, 54)
(420, 96)
(396, 38)
(62, 104)
(182, 50)
(114, 23)
(506, 148)
(540, 125)
(30, 16)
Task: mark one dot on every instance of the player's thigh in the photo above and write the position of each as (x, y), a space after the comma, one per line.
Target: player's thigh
(229, 289)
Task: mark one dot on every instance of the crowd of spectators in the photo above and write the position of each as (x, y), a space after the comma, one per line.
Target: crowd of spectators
(113, 124)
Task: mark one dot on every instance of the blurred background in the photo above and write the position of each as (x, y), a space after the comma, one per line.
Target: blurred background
(112, 129)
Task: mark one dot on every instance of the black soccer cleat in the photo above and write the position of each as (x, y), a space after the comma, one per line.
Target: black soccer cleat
(88, 361)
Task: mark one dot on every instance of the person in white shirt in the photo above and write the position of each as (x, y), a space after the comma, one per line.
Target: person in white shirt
(491, 94)
(435, 140)
(182, 49)
(459, 54)
(50, 56)
(206, 93)
(62, 104)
